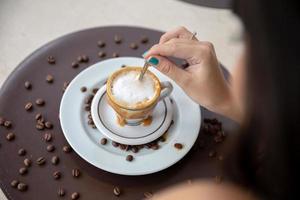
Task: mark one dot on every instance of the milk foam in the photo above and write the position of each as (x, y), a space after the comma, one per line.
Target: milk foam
(127, 88)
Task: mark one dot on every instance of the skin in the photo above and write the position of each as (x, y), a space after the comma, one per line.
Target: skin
(205, 84)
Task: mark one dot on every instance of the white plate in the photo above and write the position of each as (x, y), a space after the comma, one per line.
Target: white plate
(85, 140)
(106, 121)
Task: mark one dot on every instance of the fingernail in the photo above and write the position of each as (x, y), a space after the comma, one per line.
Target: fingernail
(154, 61)
(144, 54)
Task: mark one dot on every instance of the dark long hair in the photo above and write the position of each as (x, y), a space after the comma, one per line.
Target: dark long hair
(268, 149)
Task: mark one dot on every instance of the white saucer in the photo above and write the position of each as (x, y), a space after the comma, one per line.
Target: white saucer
(86, 141)
(106, 121)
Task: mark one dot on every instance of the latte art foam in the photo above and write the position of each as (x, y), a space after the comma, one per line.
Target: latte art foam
(128, 89)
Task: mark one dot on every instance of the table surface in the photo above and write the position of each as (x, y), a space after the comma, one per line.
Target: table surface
(26, 25)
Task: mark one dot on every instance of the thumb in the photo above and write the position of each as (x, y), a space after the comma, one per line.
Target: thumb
(170, 69)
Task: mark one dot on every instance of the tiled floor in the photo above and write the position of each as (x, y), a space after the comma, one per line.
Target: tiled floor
(28, 24)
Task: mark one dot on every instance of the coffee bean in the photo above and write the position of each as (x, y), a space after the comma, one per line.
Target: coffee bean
(90, 116)
(83, 89)
(22, 187)
(95, 90)
(48, 125)
(115, 55)
(22, 152)
(8, 124)
(184, 64)
(40, 102)
(155, 147)
(50, 148)
(27, 162)
(47, 137)
(117, 39)
(178, 145)
(14, 183)
(38, 116)
(87, 108)
(91, 122)
(148, 195)
(103, 141)
(85, 58)
(41, 161)
(218, 179)
(94, 126)
(27, 85)
(122, 146)
(101, 44)
(61, 192)
(134, 149)
(2, 121)
(55, 160)
(101, 54)
(74, 64)
(67, 149)
(144, 40)
(49, 78)
(56, 175)
(75, 196)
(88, 99)
(40, 126)
(23, 171)
(133, 45)
(212, 153)
(129, 158)
(75, 173)
(117, 191)
(28, 106)
(66, 84)
(123, 66)
(115, 144)
(10, 136)
(51, 60)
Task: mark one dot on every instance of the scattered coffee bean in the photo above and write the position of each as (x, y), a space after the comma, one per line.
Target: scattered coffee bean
(40, 126)
(103, 141)
(83, 89)
(155, 147)
(66, 84)
(23, 171)
(75, 173)
(129, 158)
(14, 183)
(144, 40)
(115, 144)
(95, 90)
(123, 66)
(117, 39)
(55, 160)
(212, 153)
(148, 195)
(48, 125)
(38, 116)
(74, 64)
(89, 99)
(10, 136)
(27, 85)
(101, 44)
(22, 187)
(8, 124)
(67, 149)
(134, 149)
(75, 196)
(115, 55)
(218, 179)
(101, 54)
(40, 102)
(87, 108)
(61, 192)
(51, 60)
(90, 116)
(2, 121)
(47, 137)
(28, 106)
(56, 175)
(50, 148)
(123, 146)
(41, 161)
(94, 126)
(83, 58)
(133, 46)
(178, 145)
(49, 78)
(22, 152)
(27, 162)
(117, 191)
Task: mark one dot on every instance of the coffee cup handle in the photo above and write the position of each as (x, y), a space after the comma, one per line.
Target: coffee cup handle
(167, 88)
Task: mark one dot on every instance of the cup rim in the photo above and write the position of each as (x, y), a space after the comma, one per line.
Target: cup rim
(137, 106)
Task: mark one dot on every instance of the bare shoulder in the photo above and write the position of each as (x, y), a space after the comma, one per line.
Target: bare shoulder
(205, 190)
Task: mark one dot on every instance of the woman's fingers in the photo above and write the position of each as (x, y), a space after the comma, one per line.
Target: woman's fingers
(179, 32)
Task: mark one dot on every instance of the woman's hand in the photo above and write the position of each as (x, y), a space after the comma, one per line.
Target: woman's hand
(203, 80)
